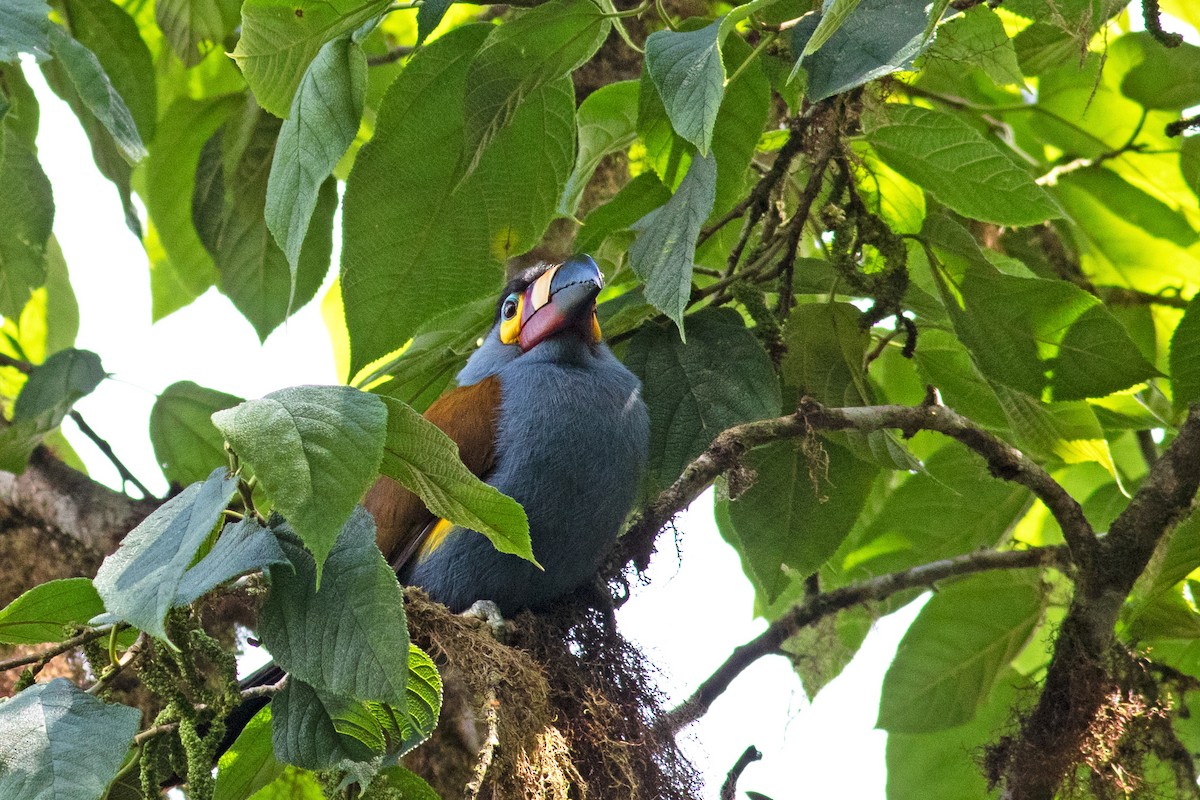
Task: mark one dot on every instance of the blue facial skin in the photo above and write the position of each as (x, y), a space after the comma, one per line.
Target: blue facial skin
(571, 448)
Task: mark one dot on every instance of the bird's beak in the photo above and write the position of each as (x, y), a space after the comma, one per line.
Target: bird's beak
(563, 296)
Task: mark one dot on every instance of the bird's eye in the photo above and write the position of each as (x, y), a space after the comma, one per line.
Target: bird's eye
(509, 309)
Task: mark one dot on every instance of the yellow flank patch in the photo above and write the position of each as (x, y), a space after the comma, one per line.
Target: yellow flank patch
(436, 536)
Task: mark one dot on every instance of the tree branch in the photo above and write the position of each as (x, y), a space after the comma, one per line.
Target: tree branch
(106, 449)
(58, 649)
(748, 757)
(1079, 677)
(1004, 461)
(823, 605)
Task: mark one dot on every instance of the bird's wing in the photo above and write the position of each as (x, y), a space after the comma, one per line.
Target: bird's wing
(468, 415)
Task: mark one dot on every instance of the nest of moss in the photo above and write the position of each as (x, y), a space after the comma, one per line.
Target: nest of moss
(564, 709)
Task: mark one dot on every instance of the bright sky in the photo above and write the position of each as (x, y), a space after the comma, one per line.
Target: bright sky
(696, 610)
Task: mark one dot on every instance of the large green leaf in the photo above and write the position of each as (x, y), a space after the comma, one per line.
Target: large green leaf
(825, 351)
(139, 583)
(636, 199)
(952, 507)
(664, 252)
(1069, 432)
(399, 265)
(280, 37)
(939, 765)
(315, 449)
(43, 613)
(244, 546)
(960, 643)
(249, 764)
(56, 385)
(323, 122)
(797, 512)
(944, 363)
(537, 48)
(98, 93)
(1127, 237)
(229, 208)
(607, 123)
(186, 443)
(57, 742)
(1167, 78)
(878, 38)
(689, 75)
(1185, 356)
(112, 35)
(1019, 328)
(26, 29)
(719, 378)
(344, 637)
(957, 165)
(423, 458)
(27, 208)
(979, 38)
(185, 270)
(304, 732)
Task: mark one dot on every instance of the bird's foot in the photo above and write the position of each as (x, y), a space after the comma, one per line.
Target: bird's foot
(489, 613)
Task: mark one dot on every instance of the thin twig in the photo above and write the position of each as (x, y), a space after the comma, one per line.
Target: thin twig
(106, 448)
(125, 660)
(835, 600)
(58, 649)
(748, 757)
(1004, 461)
(391, 56)
(488, 751)
(16, 363)
(246, 694)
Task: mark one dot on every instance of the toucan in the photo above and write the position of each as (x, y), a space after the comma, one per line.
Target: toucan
(546, 413)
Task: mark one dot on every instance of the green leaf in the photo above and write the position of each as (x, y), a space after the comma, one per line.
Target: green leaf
(98, 93)
(186, 443)
(687, 70)
(424, 705)
(249, 764)
(323, 122)
(1185, 356)
(423, 458)
(1127, 237)
(254, 272)
(26, 29)
(194, 28)
(113, 37)
(607, 123)
(343, 637)
(280, 37)
(955, 650)
(636, 199)
(244, 546)
(293, 784)
(519, 57)
(315, 449)
(664, 252)
(1168, 77)
(957, 165)
(740, 121)
(56, 385)
(1189, 163)
(410, 785)
(721, 377)
(899, 201)
(186, 270)
(429, 16)
(879, 38)
(1017, 329)
(27, 208)
(953, 507)
(944, 363)
(939, 765)
(797, 512)
(833, 16)
(140, 582)
(42, 613)
(57, 741)
(1069, 432)
(399, 266)
(978, 38)
(825, 351)
(303, 731)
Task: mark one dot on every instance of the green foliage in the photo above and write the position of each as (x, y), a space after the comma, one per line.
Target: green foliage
(1004, 220)
(58, 741)
(315, 449)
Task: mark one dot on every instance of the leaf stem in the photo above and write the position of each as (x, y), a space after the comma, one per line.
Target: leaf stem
(762, 45)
